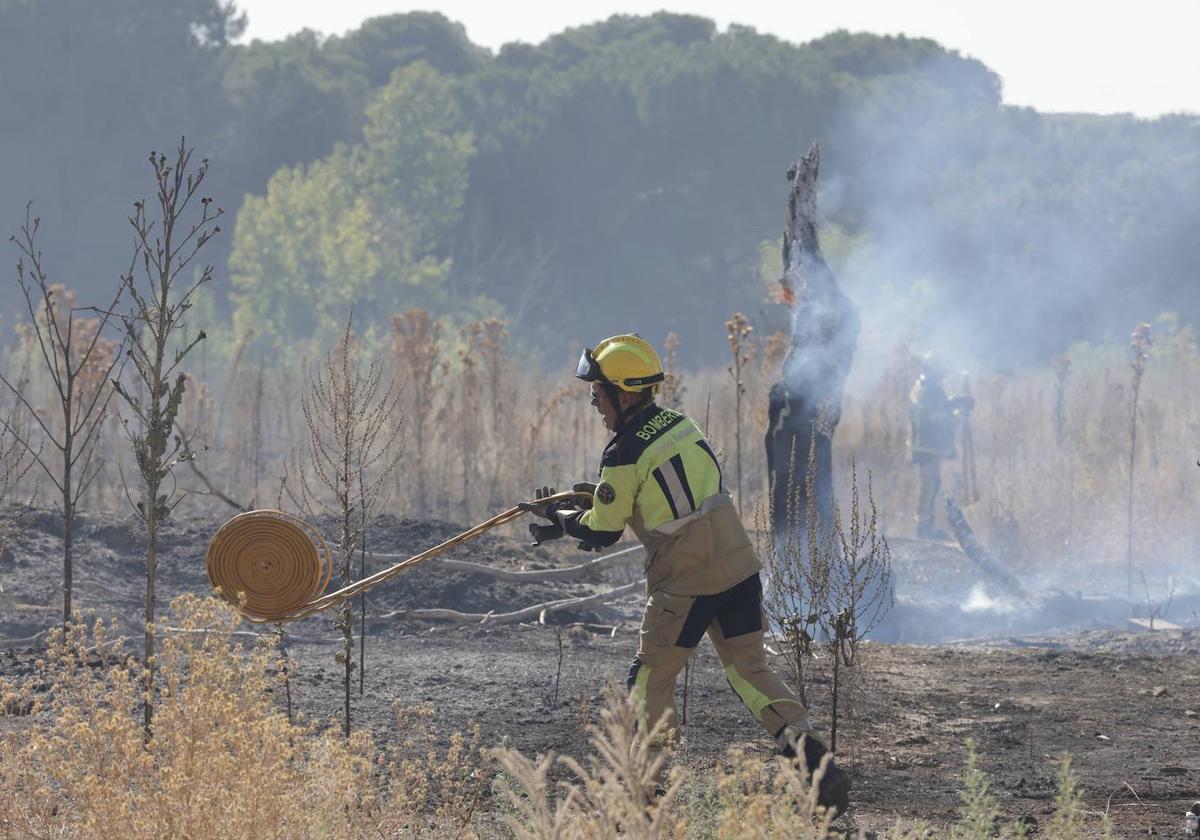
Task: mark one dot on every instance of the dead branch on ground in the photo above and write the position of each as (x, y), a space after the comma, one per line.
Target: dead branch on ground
(533, 612)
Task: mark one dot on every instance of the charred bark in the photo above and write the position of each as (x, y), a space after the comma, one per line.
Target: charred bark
(974, 549)
(806, 402)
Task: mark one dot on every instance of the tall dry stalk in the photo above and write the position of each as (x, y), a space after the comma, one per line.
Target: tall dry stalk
(1140, 342)
(1062, 379)
(859, 592)
(165, 248)
(829, 586)
(16, 461)
(739, 330)
(797, 573)
(256, 434)
(79, 360)
(195, 424)
(673, 389)
(537, 425)
(467, 406)
(354, 447)
(416, 349)
(495, 363)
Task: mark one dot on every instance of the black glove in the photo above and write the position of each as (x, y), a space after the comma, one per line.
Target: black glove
(543, 533)
(539, 507)
(587, 490)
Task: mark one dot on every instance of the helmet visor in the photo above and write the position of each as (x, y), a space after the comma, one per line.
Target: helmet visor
(588, 368)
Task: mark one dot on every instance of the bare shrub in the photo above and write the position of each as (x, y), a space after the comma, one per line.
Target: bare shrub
(796, 588)
(828, 587)
(165, 247)
(354, 446)
(78, 360)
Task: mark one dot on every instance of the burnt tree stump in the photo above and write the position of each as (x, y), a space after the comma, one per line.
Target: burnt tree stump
(806, 402)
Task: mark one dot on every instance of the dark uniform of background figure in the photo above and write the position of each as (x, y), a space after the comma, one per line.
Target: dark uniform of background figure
(935, 418)
(660, 477)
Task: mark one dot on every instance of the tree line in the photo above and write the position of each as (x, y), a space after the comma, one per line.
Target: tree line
(621, 175)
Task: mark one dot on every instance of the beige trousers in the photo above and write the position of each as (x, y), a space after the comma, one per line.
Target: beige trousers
(673, 625)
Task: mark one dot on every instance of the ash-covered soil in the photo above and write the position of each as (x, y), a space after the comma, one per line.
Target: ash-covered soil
(1123, 704)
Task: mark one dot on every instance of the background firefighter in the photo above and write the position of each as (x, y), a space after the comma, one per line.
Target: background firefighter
(660, 476)
(935, 418)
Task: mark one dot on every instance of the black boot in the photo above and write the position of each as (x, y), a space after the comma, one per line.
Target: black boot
(834, 789)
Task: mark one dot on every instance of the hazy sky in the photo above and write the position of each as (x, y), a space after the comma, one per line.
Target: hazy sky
(1055, 55)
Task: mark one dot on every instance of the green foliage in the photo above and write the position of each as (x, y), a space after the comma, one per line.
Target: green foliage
(361, 226)
(1069, 821)
(638, 155)
(290, 102)
(980, 811)
(384, 44)
(85, 89)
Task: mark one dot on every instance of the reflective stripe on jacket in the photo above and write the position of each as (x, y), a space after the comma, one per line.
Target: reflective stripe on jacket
(660, 476)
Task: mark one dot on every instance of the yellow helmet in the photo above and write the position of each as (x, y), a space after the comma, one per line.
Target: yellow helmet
(627, 361)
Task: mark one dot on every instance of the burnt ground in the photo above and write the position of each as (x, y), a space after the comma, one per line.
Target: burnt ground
(1123, 704)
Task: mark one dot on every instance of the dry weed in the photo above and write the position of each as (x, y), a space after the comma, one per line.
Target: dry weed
(223, 760)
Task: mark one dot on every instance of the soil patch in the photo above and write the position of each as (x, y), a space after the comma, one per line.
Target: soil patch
(1123, 704)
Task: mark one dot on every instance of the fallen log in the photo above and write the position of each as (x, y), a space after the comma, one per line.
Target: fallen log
(537, 611)
(974, 549)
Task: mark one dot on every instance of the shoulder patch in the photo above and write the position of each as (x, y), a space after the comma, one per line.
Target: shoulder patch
(605, 494)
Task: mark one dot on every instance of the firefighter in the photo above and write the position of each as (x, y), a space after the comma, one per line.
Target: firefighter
(660, 476)
(935, 417)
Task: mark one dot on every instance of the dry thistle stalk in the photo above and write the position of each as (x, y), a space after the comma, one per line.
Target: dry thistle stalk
(495, 363)
(467, 421)
(673, 388)
(416, 349)
(15, 463)
(1140, 342)
(739, 330)
(537, 425)
(1062, 376)
(354, 447)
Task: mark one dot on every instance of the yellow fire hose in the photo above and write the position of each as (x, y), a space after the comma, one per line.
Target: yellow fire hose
(275, 567)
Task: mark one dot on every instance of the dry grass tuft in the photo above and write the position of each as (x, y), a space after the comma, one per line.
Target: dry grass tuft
(223, 760)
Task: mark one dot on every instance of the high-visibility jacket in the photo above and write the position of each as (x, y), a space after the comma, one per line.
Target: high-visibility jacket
(660, 476)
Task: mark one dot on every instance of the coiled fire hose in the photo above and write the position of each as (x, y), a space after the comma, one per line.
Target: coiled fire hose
(274, 566)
